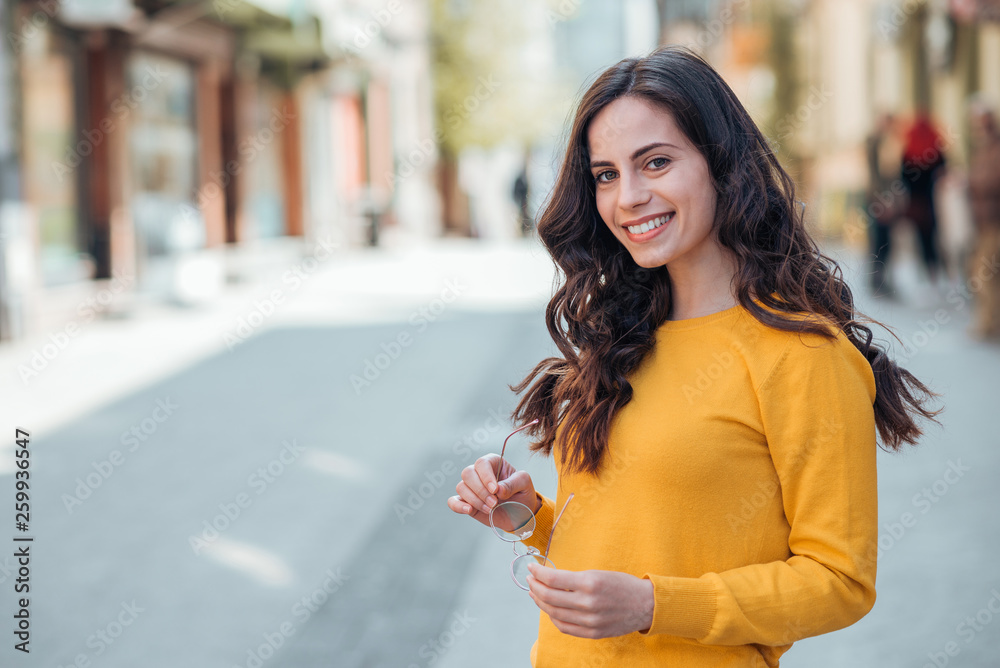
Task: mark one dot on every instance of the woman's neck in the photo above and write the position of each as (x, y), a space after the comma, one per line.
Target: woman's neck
(701, 308)
(701, 289)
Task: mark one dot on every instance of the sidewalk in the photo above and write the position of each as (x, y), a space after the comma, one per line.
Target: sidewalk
(84, 364)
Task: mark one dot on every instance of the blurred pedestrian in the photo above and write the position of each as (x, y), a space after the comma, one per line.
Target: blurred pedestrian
(520, 194)
(884, 199)
(923, 162)
(984, 199)
(713, 415)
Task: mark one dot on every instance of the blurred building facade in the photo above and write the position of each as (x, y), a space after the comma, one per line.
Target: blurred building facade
(152, 146)
(816, 74)
(931, 56)
(148, 145)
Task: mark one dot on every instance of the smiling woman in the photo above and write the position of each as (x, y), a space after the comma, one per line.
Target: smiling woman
(715, 409)
(670, 178)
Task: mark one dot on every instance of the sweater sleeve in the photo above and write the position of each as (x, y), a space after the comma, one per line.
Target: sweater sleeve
(817, 411)
(539, 538)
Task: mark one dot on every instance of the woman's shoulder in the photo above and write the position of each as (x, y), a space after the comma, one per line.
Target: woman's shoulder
(803, 353)
(770, 334)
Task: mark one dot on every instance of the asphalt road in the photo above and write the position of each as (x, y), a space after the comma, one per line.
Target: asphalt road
(274, 506)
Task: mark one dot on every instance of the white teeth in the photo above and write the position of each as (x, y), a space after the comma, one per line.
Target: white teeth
(653, 224)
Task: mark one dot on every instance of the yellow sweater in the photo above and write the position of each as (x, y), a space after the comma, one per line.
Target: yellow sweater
(741, 481)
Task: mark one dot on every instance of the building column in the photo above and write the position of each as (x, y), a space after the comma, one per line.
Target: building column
(214, 181)
(106, 209)
(11, 297)
(291, 165)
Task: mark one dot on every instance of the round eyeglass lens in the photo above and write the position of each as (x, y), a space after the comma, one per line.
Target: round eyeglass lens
(512, 521)
(519, 567)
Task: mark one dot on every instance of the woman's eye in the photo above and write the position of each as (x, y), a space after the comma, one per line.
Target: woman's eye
(600, 177)
(662, 162)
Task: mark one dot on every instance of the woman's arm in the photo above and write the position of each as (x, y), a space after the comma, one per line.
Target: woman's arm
(817, 411)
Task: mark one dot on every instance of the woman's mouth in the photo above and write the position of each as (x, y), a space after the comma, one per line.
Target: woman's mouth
(649, 229)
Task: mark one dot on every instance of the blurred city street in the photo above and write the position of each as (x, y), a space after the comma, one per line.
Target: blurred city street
(268, 269)
(274, 505)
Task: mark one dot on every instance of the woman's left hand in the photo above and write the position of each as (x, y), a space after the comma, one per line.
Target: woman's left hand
(592, 604)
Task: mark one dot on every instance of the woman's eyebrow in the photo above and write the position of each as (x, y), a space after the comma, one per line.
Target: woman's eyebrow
(635, 154)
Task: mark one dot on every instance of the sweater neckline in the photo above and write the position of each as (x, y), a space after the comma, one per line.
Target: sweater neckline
(700, 321)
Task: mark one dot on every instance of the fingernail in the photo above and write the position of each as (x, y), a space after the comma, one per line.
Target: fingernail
(486, 508)
(490, 501)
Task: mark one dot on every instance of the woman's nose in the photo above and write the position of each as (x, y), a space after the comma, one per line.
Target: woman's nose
(633, 192)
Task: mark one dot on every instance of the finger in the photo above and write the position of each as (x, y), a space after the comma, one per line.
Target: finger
(484, 467)
(458, 505)
(471, 477)
(560, 598)
(513, 484)
(577, 630)
(471, 498)
(556, 578)
(570, 616)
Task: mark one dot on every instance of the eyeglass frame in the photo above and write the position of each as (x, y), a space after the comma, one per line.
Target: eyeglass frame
(531, 551)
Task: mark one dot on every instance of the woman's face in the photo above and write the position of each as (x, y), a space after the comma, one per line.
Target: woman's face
(653, 187)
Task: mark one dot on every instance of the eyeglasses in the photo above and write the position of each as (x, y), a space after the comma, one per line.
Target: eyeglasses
(513, 522)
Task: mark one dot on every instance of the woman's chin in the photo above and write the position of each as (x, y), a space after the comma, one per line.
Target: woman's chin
(649, 260)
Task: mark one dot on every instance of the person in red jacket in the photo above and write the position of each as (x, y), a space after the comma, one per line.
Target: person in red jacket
(922, 165)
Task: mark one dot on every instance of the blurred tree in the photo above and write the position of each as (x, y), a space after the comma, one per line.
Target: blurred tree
(489, 87)
(783, 122)
(493, 82)
(661, 21)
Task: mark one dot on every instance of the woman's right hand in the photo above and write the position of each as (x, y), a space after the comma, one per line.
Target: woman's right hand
(482, 487)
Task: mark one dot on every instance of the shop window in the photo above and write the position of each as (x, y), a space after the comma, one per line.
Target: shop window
(261, 154)
(163, 145)
(51, 159)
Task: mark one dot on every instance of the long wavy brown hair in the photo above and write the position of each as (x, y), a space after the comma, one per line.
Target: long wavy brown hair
(604, 315)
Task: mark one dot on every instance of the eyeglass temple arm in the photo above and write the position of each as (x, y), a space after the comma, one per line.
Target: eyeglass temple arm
(504, 449)
(545, 555)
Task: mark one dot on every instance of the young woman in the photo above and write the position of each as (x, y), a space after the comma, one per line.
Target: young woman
(715, 410)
